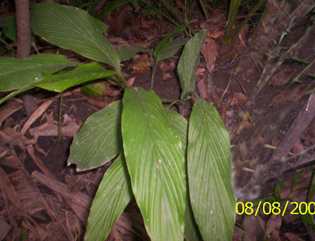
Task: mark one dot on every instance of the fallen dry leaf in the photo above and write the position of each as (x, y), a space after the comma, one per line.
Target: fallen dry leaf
(242, 35)
(203, 88)
(142, 64)
(166, 76)
(131, 81)
(35, 115)
(167, 66)
(292, 237)
(253, 228)
(4, 228)
(273, 228)
(210, 52)
(9, 109)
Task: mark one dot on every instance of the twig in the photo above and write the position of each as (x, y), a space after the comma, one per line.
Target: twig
(23, 28)
(153, 74)
(296, 129)
(59, 124)
(203, 8)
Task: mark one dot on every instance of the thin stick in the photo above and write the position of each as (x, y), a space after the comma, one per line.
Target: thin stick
(153, 74)
(23, 28)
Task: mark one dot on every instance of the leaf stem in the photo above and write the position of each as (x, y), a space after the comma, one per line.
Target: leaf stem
(15, 93)
(153, 74)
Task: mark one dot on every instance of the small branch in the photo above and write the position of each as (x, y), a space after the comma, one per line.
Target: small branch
(23, 28)
(295, 131)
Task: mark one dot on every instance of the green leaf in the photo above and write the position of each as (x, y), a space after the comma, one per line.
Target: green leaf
(209, 173)
(99, 139)
(19, 73)
(167, 48)
(188, 62)
(111, 6)
(128, 52)
(112, 197)
(191, 229)
(9, 27)
(94, 89)
(72, 28)
(81, 74)
(179, 125)
(156, 164)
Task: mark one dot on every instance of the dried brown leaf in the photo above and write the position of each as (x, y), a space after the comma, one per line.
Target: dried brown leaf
(273, 228)
(210, 53)
(35, 115)
(78, 202)
(4, 228)
(9, 109)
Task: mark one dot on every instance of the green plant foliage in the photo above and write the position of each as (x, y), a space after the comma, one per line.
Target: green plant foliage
(99, 139)
(19, 73)
(179, 125)
(81, 74)
(191, 229)
(188, 62)
(9, 27)
(72, 28)
(128, 52)
(112, 197)
(209, 173)
(156, 164)
(113, 5)
(94, 89)
(231, 23)
(167, 48)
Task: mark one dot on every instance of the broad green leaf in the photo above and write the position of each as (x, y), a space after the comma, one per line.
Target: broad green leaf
(72, 28)
(191, 229)
(19, 73)
(167, 48)
(128, 52)
(209, 173)
(156, 164)
(179, 125)
(188, 62)
(81, 74)
(112, 197)
(99, 139)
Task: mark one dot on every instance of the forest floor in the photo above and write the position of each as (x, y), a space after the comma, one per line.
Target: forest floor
(42, 198)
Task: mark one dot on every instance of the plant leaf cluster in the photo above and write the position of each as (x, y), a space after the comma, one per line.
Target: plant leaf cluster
(159, 160)
(178, 172)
